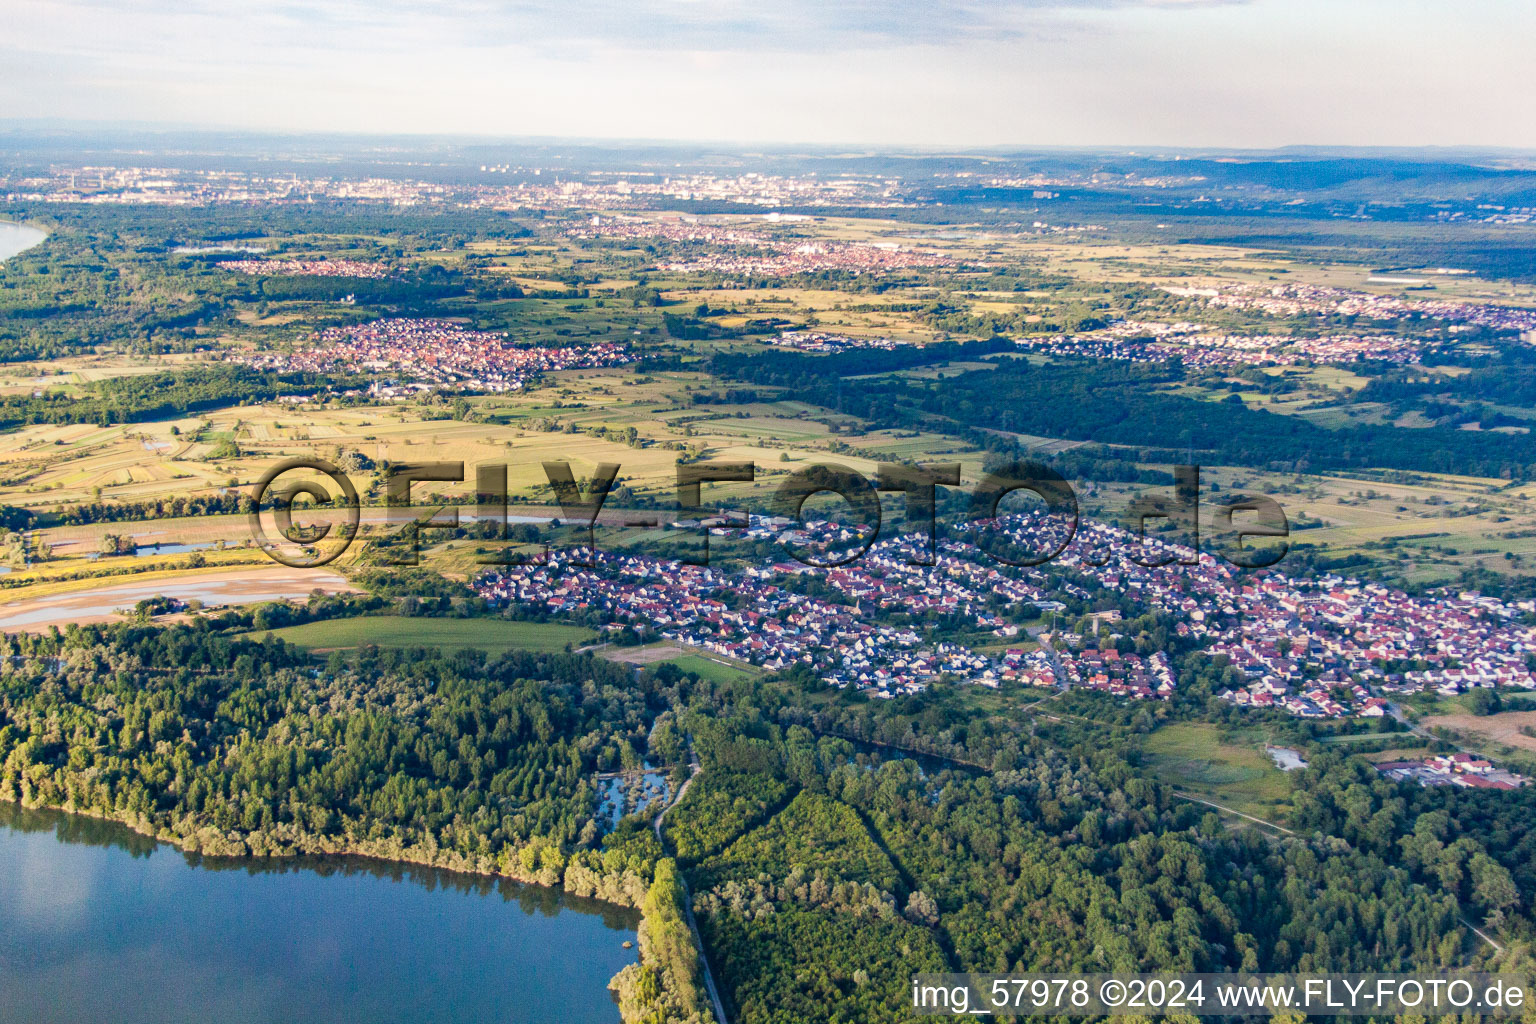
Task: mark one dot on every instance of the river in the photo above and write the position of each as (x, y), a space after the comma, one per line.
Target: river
(16, 237)
(102, 924)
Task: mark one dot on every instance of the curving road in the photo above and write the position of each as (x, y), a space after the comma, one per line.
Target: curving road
(694, 771)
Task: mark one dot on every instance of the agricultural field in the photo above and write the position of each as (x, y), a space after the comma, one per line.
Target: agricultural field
(1429, 528)
(1502, 729)
(561, 284)
(42, 604)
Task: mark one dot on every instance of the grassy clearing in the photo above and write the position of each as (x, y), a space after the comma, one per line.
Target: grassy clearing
(1352, 737)
(490, 635)
(1237, 775)
(1397, 754)
(710, 669)
(706, 666)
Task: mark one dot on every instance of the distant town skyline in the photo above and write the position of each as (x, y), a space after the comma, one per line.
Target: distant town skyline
(1234, 73)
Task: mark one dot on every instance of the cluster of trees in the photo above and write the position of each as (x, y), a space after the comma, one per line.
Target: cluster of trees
(429, 285)
(1511, 382)
(666, 986)
(231, 746)
(1024, 319)
(153, 396)
(219, 743)
(826, 868)
(1125, 404)
(223, 504)
(789, 369)
(1478, 845)
(1120, 403)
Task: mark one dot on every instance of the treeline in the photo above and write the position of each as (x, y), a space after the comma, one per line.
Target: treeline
(666, 986)
(1479, 845)
(210, 741)
(429, 285)
(227, 503)
(1504, 384)
(1122, 404)
(154, 396)
(231, 746)
(798, 369)
(1119, 403)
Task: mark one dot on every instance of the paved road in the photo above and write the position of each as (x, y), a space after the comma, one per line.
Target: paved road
(695, 770)
(1413, 727)
(1418, 730)
(1063, 681)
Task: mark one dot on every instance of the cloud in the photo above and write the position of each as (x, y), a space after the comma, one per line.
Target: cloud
(551, 26)
(951, 72)
(799, 25)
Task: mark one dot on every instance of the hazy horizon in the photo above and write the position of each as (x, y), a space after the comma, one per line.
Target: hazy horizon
(1238, 74)
(82, 131)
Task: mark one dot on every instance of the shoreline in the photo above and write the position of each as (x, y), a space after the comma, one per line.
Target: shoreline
(407, 859)
(21, 230)
(460, 864)
(624, 922)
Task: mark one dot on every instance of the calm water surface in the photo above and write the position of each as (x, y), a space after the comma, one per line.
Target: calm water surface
(16, 237)
(99, 924)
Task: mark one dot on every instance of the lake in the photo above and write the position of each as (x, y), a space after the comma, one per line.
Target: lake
(102, 924)
(16, 237)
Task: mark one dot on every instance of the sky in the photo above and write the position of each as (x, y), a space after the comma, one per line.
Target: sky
(936, 73)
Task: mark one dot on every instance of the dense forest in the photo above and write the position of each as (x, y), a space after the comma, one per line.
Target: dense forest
(826, 863)
(1505, 383)
(230, 745)
(798, 370)
(814, 858)
(1121, 404)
